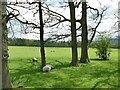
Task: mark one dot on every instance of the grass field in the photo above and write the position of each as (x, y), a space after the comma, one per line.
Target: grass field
(97, 74)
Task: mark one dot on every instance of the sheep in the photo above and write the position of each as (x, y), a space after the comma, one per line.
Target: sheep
(34, 59)
(47, 68)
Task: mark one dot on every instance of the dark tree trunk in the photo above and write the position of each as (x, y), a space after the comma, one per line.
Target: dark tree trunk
(73, 35)
(84, 43)
(43, 61)
(5, 69)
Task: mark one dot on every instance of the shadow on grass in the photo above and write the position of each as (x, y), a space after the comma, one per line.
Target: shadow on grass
(98, 59)
(30, 75)
(60, 64)
(106, 81)
(22, 71)
(63, 76)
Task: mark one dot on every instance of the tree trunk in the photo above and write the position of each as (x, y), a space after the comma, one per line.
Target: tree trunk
(84, 43)
(5, 69)
(73, 35)
(43, 61)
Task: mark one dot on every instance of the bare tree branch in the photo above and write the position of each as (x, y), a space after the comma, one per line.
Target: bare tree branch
(89, 7)
(95, 29)
(78, 4)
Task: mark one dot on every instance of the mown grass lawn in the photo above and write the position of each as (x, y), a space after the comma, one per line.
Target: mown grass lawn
(97, 74)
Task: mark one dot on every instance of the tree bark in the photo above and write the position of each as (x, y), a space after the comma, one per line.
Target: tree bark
(5, 69)
(73, 34)
(42, 50)
(84, 42)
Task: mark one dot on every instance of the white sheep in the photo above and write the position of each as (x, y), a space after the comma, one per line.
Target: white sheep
(47, 68)
(34, 59)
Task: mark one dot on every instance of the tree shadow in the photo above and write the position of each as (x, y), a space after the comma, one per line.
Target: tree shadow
(22, 74)
(21, 78)
(60, 64)
(25, 75)
(98, 59)
(106, 81)
(19, 73)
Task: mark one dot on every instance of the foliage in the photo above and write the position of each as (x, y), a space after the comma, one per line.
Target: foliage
(97, 74)
(103, 46)
(29, 42)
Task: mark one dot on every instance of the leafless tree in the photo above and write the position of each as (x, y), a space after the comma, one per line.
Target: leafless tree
(43, 61)
(56, 19)
(38, 25)
(73, 34)
(5, 69)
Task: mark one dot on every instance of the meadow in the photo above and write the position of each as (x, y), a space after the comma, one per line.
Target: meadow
(96, 74)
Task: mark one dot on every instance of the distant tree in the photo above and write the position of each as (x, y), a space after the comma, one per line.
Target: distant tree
(103, 46)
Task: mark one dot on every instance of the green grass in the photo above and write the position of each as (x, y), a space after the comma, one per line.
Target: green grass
(97, 74)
